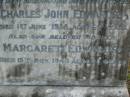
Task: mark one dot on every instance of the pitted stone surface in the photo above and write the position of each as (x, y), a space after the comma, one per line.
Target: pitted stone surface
(35, 91)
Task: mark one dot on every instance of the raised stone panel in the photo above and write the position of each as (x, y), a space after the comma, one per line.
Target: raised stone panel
(64, 42)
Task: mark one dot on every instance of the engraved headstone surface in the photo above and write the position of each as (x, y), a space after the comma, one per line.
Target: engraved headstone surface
(64, 42)
(77, 47)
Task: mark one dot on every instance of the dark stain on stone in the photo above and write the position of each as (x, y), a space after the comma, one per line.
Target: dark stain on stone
(76, 74)
(85, 56)
(125, 55)
(101, 42)
(70, 31)
(85, 70)
(126, 46)
(63, 55)
(13, 94)
(79, 73)
(37, 93)
(65, 71)
(1, 4)
(19, 70)
(89, 95)
(13, 5)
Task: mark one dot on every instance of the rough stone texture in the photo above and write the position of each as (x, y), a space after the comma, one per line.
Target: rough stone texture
(35, 91)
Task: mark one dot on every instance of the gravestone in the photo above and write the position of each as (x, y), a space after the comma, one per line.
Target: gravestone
(64, 43)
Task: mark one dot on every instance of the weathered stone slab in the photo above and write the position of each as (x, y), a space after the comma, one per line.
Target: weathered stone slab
(63, 42)
(22, 91)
